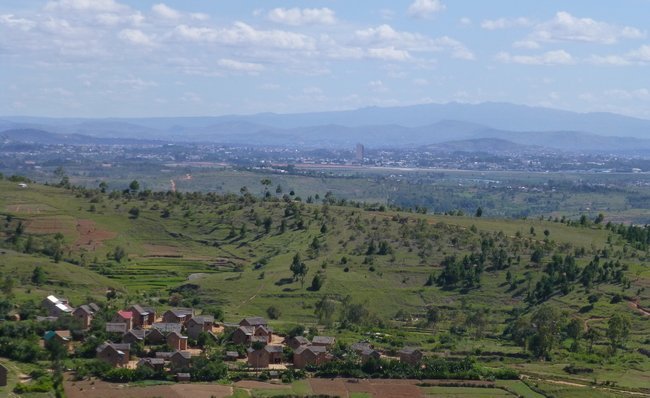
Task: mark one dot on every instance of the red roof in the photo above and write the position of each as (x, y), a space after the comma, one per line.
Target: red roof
(125, 314)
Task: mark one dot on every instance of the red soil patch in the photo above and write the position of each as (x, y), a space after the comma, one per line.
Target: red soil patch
(101, 389)
(336, 387)
(91, 238)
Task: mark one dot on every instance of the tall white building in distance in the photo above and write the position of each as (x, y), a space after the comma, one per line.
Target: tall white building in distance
(360, 153)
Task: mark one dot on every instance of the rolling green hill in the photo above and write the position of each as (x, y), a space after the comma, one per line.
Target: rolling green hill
(385, 271)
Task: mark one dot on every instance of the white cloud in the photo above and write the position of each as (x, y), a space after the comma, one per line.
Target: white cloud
(164, 11)
(558, 57)
(425, 8)
(389, 54)
(85, 5)
(384, 36)
(19, 23)
(528, 44)
(566, 27)
(199, 16)
(304, 16)
(641, 94)
(312, 90)
(465, 21)
(270, 86)
(238, 66)
(243, 34)
(505, 23)
(377, 86)
(135, 36)
(610, 60)
(642, 54)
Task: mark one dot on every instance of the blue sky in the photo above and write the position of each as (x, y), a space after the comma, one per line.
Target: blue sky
(98, 58)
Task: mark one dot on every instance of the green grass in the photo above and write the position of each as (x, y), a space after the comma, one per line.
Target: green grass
(240, 393)
(519, 388)
(194, 240)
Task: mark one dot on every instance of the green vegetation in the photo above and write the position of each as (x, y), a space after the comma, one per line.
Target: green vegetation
(501, 291)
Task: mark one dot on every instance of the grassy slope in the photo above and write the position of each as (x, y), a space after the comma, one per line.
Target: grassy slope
(194, 240)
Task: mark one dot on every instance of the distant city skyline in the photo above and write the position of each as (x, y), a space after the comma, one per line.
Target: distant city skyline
(119, 58)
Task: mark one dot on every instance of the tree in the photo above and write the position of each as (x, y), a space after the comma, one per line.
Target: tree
(103, 186)
(119, 253)
(324, 310)
(479, 212)
(317, 282)
(299, 269)
(547, 325)
(433, 316)
(134, 213)
(38, 275)
(8, 286)
(353, 313)
(268, 222)
(599, 219)
(618, 330)
(591, 335)
(537, 256)
(134, 186)
(477, 320)
(273, 312)
(574, 328)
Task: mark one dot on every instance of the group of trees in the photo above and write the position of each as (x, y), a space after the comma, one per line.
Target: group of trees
(547, 327)
(466, 271)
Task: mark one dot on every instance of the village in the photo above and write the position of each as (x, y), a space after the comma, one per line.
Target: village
(167, 343)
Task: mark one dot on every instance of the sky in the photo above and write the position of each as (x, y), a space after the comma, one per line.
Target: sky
(126, 58)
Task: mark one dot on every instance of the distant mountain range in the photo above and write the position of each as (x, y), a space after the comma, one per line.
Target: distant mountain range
(412, 126)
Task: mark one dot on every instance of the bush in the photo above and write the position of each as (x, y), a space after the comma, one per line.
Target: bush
(273, 312)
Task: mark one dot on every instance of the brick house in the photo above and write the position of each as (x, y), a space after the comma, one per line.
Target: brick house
(117, 355)
(198, 324)
(248, 334)
(142, 316)
(310, 355)
(85, 314)
(254, 321)
(62, 337)
(156, 364)
(180, 360)
(134, 336)
(324, 341)
(159, 331)
(270, 354)
(297, 341)
(57, 306)
(177, 341)
(125, 317)
(411, 356)
(369, 354)
(178, 315)
(116, 328)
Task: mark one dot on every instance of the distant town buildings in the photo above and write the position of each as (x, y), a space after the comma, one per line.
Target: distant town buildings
(360, 153)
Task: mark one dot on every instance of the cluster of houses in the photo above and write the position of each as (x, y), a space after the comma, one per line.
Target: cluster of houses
(171, 332)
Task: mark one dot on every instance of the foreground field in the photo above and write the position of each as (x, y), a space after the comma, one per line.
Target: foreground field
(343, 388)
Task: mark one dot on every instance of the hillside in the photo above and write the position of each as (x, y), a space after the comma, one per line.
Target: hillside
(478, 275)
